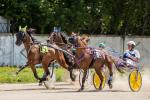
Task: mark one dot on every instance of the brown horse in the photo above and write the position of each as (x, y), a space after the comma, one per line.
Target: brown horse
(85, 59)
(33, 53)
(59, 39)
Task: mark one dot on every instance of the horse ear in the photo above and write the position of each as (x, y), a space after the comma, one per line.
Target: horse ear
(73, 33)
(25, 28)
(19, 28)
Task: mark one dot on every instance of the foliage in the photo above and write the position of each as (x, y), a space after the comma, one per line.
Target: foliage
(85, 16)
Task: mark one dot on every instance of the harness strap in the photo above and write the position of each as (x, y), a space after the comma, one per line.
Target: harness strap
(92, 62)
(78, 60)
(60, 49)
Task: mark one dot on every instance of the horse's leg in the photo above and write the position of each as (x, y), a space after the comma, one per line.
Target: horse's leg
(98, 70)
(34, 72)
(83, 80)
(46, 61)
(109, 64)
(62, 62)
(72, 76)
(64, 65)
(45, 65)
(23, 67)
(70, 69)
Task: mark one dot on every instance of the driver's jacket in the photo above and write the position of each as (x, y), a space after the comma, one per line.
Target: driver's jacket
(133, 53)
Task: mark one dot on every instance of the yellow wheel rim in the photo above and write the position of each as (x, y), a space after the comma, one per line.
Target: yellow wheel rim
(135, 81)
(97, 81)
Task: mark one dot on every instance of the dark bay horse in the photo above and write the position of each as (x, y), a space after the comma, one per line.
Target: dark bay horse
(59, 39)
(85, 59)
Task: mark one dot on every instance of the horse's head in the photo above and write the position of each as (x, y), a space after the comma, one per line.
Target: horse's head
(85, 39)
(73, 38)
(20, 36)
(56, 37)
(79, 41)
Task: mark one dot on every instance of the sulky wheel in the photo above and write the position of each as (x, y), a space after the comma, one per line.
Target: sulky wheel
(97, 81)
(135, 80)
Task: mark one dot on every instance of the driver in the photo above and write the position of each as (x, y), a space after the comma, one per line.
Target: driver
(102, 45)
(131, 56)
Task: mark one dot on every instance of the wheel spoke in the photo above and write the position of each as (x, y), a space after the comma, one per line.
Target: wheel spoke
(97, 81)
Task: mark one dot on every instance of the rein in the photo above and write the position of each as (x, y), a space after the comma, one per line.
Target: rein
(81, 57)
(58, 48)
(30, 44)
(78, 60)
(62, 44)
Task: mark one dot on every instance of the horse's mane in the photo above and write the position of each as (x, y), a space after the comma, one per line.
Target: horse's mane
(64, 38)
(29, 32)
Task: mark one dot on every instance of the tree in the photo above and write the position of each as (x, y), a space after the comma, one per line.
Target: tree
(85, 16)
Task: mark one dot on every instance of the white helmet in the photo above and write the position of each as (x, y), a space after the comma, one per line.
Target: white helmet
(131, 42)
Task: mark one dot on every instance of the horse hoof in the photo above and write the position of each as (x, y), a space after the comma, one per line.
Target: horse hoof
(110, 86)
(17, 73)
(73, 79)
(40, 83)
(80, 90)
(100, 88)
(72, 76)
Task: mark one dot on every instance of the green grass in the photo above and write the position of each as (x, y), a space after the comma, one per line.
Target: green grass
(8, 75)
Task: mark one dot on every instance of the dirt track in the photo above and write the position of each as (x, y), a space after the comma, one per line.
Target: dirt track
(66, 91)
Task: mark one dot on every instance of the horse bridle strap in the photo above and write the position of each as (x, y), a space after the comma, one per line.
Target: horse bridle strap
(21, 36)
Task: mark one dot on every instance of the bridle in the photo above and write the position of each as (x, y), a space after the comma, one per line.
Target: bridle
(20, 37)
(74, 40)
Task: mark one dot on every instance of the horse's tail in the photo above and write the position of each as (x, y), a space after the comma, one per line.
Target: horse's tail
(115, 61)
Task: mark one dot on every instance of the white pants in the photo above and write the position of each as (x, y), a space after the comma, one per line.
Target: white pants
(130, 63)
